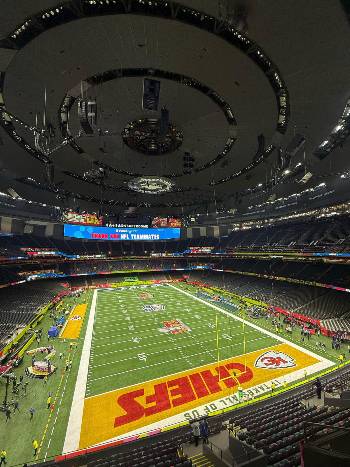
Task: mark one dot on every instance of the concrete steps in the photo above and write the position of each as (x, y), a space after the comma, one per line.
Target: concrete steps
(199, 460)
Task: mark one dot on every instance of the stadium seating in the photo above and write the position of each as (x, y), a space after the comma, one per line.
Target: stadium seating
(325, 233)
(277, 428)
(312, 301)
(158, 454)
(19, 304)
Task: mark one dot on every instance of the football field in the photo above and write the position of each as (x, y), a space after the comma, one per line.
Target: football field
(132, 344)
(156, 355)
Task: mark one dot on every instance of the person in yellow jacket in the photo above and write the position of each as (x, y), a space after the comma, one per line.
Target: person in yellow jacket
(48, 402)
(3, 455)
(35, 445)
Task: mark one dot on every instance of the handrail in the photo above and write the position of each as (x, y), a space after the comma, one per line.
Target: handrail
(217, 447)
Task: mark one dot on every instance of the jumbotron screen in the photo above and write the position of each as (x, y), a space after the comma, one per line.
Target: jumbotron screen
(70, 217)
(166, 222)
(120, 234)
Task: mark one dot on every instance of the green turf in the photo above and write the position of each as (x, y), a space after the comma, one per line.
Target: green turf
(128, 348)
(295, 337)
(17, 434)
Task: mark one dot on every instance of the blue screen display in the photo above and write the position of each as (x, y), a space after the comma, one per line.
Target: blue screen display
(110, 233)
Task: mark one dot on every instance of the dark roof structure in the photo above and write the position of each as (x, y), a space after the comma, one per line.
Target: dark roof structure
(250, 104)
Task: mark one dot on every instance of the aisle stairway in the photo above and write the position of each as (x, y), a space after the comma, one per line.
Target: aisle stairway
(199, 460)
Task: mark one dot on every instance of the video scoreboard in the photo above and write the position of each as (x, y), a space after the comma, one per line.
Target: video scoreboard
(120, 234)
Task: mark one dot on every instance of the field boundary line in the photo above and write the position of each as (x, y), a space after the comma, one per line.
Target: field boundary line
(71, 442)
(66, 375)
(262, 330)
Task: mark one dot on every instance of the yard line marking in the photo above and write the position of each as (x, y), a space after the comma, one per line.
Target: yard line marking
(262, 330)
(167, 361)
(72, 438)
(147, 326)
(145, 336)
(171, 374)
(177, 343)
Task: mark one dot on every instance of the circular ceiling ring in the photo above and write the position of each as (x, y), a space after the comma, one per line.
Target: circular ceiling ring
(111, 202)
(125, 188)
(77, 9)
(110, 75)
(151, 185)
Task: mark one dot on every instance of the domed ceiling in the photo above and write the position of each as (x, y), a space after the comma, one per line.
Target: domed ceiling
(237, 81)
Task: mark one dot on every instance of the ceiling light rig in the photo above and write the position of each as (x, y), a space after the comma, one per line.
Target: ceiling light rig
(345, 174)
(337, 136)
(151, 185)
(68, 11)
(148, 137)
(65, 194)
(320, 213)
(43, 137)
(283, 199)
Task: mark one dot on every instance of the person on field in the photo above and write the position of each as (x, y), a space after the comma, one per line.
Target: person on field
(8, 414)
(15, 406)
(32, 412)
(25, 388)
(48, 402)
(35, 445)
(3, 455)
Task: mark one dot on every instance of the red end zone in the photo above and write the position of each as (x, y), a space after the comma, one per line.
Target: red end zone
(109, 415)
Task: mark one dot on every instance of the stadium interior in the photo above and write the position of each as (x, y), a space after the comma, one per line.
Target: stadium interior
(174, 233)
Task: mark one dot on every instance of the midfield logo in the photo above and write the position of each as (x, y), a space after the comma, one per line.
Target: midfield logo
(175, 326)
(145, 295)
(274, 360)
(154, 307)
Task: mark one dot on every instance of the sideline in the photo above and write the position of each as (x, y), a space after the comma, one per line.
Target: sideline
(262, 330)
(64, 374)
(71, 442)
(49, 418)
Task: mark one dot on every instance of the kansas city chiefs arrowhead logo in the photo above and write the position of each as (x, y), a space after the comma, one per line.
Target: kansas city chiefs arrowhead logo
(274, 360)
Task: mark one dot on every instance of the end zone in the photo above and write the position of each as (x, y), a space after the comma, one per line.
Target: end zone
(164, 401)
